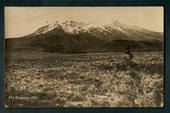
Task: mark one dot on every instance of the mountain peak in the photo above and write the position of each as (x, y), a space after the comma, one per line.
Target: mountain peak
(47, 28)
(72, 27)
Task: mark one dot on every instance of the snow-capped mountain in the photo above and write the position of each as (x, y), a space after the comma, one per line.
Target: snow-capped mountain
(71, 27)
(113, 31)
(74, 37)
(47, 28)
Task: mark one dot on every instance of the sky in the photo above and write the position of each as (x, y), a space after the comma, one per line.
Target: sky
(20, 21)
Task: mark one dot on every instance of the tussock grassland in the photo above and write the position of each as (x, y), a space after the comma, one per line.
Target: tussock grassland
(84, 80)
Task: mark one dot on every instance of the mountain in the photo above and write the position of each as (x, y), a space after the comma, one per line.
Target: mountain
(79, 37)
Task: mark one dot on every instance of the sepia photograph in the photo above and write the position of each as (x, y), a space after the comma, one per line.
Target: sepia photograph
(84, 57)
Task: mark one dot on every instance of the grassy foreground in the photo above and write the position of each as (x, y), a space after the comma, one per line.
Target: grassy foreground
(84, 80)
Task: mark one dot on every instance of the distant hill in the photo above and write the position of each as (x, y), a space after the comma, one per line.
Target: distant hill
(78, 37)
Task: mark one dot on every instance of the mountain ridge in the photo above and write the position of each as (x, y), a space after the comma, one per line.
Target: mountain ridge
(78, 37)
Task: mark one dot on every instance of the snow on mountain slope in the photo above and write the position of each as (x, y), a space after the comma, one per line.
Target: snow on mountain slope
(47, 28)
(113, 31)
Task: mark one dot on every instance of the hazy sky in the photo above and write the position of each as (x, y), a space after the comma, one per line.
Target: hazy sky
(20, 21)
